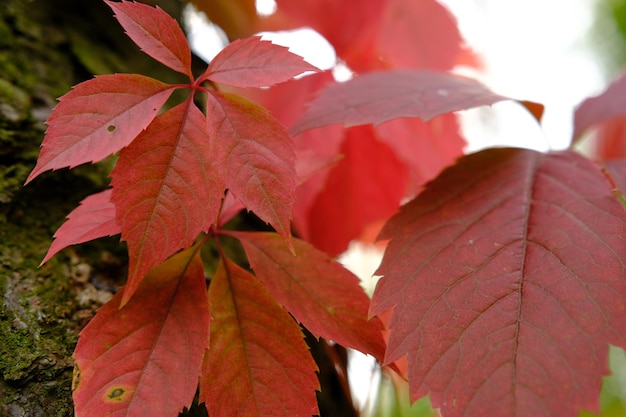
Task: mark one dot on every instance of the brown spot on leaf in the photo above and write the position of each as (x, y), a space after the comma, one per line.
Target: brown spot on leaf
(116, 394)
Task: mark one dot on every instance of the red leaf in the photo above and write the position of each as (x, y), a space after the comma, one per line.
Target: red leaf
(351, 26)
(319, 147)
(507, 280)
(93, 219)
(380, 34)
(381, 96)
(418, 34)
(601, 108)
(258, 363)
(230, 208)
(286, 101)
(535, 109)
(252, 62)
(155, 32)
(145, 358)
(425, 148)
(366, 186)
(616, 169)
(98, 118)
(256, 157)
(165, 190)
(320, 293)
(608, 141)
(323, 144)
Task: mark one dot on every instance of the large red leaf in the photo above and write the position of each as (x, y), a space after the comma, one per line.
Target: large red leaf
(93, 219)
(506, 276)
(252, 62)
(256, 157)
(381, 96)
(155, 32)
(320, 293)
(257, 364)
(98, 118)
(144, 359)
(165, 189)
(365, 186)
(606, 106)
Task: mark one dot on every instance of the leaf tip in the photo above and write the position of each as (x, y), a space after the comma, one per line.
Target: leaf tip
(110, 3)
(46, 258)
(127, 293)
(33, 174)
(535, 109)
(290, 245)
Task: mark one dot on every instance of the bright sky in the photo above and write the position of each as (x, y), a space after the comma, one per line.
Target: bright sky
(536, 50)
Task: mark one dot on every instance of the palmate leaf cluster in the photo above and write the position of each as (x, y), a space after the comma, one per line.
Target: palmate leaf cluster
(503, 275)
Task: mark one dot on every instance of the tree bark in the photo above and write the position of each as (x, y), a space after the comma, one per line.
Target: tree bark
(45, 48)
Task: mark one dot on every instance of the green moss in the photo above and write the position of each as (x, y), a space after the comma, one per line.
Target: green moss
(45, 48)
(39, 315)
(37, 333)
(14, 102)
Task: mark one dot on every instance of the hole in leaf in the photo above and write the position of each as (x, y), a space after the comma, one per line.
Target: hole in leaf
(111, 128)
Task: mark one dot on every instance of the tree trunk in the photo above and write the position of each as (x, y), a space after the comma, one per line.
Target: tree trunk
(45, 48)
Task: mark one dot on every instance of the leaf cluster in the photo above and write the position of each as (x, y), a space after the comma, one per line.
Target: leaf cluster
(504, 273)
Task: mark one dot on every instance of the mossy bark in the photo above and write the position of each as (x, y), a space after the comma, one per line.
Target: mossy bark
(45, 48)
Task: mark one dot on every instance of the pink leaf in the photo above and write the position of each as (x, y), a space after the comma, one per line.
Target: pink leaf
(381, 96)
(98, 118)
(418, 34)
(165, 189)
(608, 141)
(93, 219)
(155, 32)
(256, 157)
(145, 358)
(616, 170)
(252, 62)
(601, 108)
